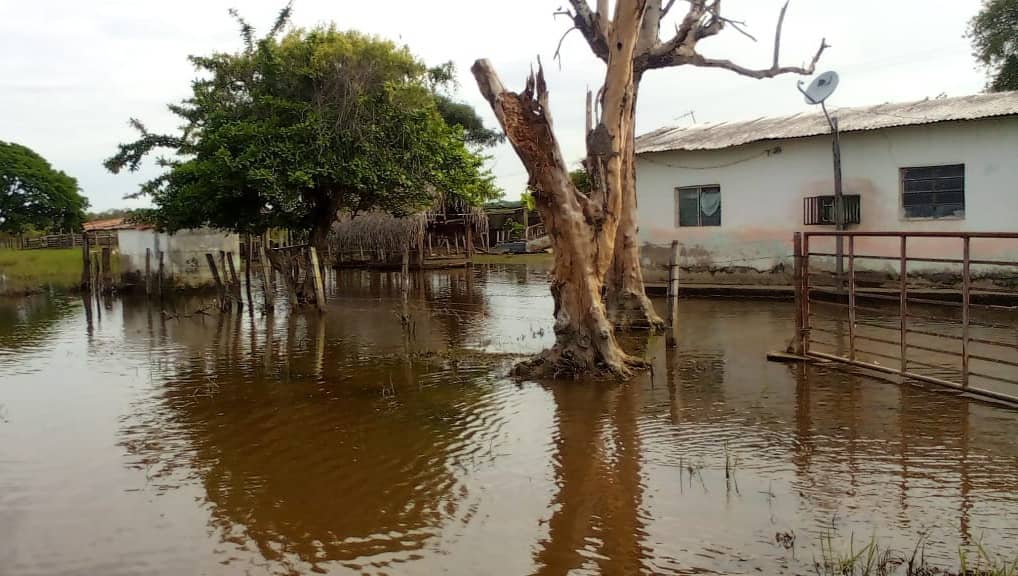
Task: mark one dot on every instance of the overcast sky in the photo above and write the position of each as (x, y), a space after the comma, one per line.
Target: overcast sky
(72, 72)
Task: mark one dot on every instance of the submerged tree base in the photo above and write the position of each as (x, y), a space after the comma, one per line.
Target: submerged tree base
(633, 310)
(577, 361)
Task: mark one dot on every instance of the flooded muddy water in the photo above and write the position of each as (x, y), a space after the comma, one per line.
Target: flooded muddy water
(188, 442)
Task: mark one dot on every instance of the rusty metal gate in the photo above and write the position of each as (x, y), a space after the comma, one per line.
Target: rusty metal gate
(935, 307)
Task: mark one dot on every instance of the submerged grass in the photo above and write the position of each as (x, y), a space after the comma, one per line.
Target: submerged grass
(874, 560)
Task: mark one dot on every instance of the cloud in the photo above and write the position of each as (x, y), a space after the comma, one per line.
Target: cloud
(74, 72)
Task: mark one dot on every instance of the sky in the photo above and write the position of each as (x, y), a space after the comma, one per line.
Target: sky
(73, 72)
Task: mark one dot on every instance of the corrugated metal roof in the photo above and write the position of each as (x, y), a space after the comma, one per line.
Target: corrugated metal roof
(112, 224)
(727, 134)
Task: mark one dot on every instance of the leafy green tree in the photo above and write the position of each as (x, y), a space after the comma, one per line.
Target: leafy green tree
(34, 195)
(994, 35)
(298, 126)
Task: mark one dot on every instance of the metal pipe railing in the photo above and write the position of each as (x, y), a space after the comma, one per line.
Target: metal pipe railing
(833, 289)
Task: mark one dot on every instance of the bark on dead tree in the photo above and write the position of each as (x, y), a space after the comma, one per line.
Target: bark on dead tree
(583, 229)
(625, 295)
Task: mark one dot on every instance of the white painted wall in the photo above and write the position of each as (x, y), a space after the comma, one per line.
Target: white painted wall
(184, 259)
(762, 197)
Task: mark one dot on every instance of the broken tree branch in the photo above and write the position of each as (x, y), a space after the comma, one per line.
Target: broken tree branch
(590, 26)
(664, 11)
(774, 70)
(777, 36)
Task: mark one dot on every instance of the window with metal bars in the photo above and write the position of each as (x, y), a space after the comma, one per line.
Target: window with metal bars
(933, 191)
(698, 206)
(819, 210)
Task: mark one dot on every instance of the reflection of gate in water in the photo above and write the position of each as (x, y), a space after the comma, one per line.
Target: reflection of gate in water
(920, 305)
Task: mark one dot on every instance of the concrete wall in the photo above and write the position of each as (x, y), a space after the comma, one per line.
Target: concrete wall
(762, 198)
(184, 259)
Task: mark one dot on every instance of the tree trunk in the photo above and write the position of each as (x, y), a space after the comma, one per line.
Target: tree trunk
(583, 229)
(626, 298)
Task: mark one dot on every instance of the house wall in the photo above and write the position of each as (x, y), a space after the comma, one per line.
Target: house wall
(762, 199)
(184, 254)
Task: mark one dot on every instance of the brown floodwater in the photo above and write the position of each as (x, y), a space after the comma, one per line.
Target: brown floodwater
(140, 442)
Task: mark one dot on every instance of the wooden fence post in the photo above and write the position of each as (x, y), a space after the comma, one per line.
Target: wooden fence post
(148, 272)
(266, 275)
(317, 276)
(220, 289)
(797, 345)
(248, 261)
(673, 295)
(107, 272)
(86, 266)
(234, 282)
(159, 286)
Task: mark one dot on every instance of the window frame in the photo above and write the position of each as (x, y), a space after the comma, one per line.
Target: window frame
(699, 188)
(903, 210)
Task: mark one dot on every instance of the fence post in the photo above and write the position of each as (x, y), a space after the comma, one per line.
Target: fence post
(966, 286)
(86, 266)
(107, 273)
(797, 286)
(266, 274)
(903, 304)
(317, 276)
(851, 297)
(248, 260)
(234, 283)
(159, 286)
(673, 295)
(148, 271)
(220, 289)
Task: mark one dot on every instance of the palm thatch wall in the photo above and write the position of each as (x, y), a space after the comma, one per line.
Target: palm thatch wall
(380, 238)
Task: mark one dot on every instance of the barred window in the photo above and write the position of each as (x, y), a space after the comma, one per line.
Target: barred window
(933, 191)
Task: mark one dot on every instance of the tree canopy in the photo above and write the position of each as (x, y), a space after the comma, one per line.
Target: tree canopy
(994, 35)
(298, 126)
(34, 195)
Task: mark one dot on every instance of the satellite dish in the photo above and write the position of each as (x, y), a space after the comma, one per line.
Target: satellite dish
(820, 88)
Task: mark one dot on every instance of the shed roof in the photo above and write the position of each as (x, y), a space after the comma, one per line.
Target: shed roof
(715, 136)
(108, 224)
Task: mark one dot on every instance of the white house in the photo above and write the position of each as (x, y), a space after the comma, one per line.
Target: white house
(184, 261)
(734, 193)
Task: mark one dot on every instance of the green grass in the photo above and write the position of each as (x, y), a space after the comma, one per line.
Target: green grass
(23, 271)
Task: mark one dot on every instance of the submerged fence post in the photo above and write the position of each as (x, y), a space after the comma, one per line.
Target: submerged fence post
(673, 295)
(148, 271)
(266, 274)
(86, 265)
(903, 304)
(107, 273)
(248, 261)
(798, 347)
(220, 289)
(966, 287)
(317, 276)
(159, 279)
(234, 283)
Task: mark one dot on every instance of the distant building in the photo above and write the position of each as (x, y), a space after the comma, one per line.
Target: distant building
(184, 262)
(733, 193)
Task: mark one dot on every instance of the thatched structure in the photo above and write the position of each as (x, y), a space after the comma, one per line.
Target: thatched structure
(443, 235)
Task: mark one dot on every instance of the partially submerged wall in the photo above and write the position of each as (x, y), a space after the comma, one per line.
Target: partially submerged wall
(184, 254)
(762, 192)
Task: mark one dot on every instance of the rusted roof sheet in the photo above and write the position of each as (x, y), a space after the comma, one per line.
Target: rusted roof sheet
(720, 135)
(112, 224)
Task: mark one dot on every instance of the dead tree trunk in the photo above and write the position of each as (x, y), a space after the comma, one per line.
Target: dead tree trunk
(583, 229)
(625, 295)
